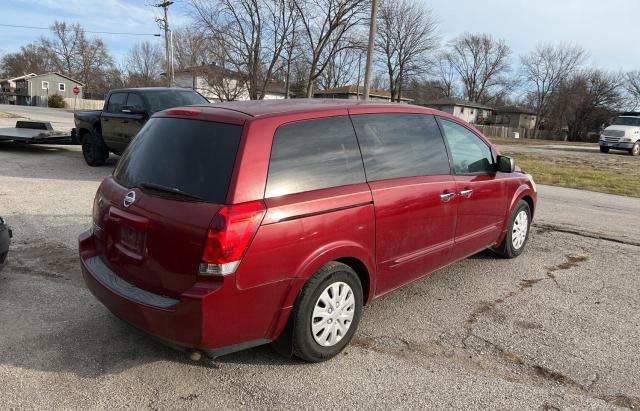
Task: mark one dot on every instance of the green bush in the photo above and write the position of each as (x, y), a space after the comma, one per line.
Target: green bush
(56, 101)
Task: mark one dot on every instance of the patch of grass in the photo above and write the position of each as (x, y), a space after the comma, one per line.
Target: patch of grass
(536, 142)
(8, 115)
(585, 176)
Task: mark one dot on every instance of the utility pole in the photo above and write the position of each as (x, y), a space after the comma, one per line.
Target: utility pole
(168, 43)
(372, 37)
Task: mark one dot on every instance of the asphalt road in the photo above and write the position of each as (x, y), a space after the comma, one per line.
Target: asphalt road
(556, 328)
(60, 119)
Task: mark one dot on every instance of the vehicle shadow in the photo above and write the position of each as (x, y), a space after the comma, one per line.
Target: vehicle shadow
(64, 162)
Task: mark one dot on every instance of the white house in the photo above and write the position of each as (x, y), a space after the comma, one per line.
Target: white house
(220, 84)
(474, 113)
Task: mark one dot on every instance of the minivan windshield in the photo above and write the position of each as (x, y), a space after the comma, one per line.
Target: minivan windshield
(162, 100)
(181, 158)
(627, 121)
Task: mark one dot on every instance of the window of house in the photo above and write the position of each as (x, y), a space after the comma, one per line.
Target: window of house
(469, 153)
(400, 145)
(314, 154)
(462, 110)
(45, 85)
(61, 86)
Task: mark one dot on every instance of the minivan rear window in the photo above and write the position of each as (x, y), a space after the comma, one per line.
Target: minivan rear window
(191, 156)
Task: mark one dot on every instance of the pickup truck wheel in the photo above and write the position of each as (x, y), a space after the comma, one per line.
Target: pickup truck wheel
(94, 154)
(518, 232)
(635, 150)
(327, 313)
(604, 149)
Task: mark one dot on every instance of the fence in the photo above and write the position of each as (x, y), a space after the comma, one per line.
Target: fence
(83, 104)
(506, 132)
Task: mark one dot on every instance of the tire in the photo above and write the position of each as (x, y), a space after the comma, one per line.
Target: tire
(604, 149)
(333, 276)
(93, 151)
(635, 151)
(513, 244)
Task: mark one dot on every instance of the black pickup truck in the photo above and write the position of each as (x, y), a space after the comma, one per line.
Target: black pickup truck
(125, 112)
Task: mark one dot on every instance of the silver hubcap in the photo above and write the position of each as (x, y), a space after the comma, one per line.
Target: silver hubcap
(333, 314)
(519, 231)
(636, 149)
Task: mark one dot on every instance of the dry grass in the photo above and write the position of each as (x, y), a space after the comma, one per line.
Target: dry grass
(8, 115)
(537, 142)
(614, 174)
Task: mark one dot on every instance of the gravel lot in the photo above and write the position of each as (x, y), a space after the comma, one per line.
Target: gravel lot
(556, 328)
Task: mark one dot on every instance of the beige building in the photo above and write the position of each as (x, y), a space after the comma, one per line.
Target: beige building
(355, 92)
(515, 116)
(474, 113)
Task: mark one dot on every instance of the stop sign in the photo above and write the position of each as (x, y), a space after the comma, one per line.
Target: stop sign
(76, 90)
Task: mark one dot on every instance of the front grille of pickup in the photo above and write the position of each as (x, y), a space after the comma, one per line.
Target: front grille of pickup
(613, 133)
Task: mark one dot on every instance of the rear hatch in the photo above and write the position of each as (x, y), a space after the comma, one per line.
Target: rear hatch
(153, 215)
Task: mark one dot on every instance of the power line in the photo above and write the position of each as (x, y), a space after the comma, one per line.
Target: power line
(86, 31)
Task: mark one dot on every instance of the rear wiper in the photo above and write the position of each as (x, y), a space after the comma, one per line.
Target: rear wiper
(170, 190)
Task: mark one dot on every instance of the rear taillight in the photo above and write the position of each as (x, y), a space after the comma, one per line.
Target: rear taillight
(229, 236)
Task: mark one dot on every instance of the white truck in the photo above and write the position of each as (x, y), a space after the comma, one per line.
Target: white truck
(622, 134)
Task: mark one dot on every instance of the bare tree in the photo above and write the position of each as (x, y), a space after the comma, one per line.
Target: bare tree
(544, 69)
(482, 63)
(193, 48)
(144, 63)
(30, 59)
(93, 61)
(252, 35)
(632, 85)
(342, 69)
(63, 46)
(326, 25)
(407, 34)
(445, 76)
(586, 99)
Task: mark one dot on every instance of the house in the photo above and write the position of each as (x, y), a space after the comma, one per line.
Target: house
(355, 92)
(217, 83)
(8, 88)
(36, 89)
(515, 116)
(474, 113)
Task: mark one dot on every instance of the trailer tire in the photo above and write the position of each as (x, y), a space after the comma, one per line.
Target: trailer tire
(93, 150)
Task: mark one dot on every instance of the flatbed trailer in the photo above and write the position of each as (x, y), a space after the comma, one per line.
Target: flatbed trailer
(35, 132)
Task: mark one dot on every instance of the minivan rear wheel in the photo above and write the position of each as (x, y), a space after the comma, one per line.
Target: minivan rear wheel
(327, 313)
(517, 233)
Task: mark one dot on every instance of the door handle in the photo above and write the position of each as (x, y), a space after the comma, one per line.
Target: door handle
(125, 121)
(447, 196)
(466, 193)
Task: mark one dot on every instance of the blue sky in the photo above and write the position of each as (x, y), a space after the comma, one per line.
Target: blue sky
(609, 30)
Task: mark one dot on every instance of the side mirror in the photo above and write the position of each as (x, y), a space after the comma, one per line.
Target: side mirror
(506, 164)
(132, 110)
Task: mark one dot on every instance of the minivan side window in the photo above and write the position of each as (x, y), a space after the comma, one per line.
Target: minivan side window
(116, 101)
(398, 145)
(469, 153)
(314, 154)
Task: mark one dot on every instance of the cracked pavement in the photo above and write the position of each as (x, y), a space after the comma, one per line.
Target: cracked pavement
(556, 328)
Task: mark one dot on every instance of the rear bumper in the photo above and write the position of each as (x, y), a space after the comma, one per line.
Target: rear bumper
(215, 317)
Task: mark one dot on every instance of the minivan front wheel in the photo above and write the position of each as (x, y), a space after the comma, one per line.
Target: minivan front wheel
(327, 313)
(517, 233)
(635, 150)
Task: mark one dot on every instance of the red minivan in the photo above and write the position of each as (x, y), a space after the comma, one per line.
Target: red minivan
(232, 225)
